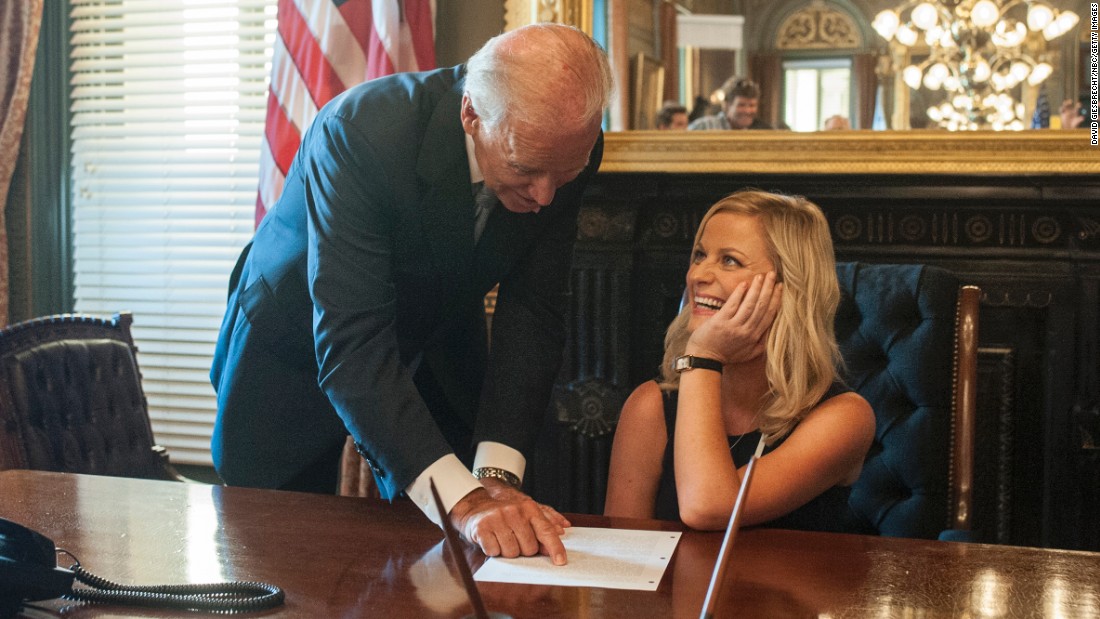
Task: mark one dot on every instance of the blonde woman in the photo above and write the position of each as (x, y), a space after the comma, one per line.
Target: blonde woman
(750, 362)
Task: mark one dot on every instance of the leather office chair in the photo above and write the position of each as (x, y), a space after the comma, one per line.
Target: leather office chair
(71, 399)
(898, 326)
(356, 478)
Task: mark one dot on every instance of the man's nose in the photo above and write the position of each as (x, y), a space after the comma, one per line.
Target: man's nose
(542, 190)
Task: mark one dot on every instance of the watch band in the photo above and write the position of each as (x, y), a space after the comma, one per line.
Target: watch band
(493, 472)
(688, 362)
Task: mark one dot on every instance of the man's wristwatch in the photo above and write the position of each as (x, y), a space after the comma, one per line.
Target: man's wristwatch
(493, 472)
(689, 362)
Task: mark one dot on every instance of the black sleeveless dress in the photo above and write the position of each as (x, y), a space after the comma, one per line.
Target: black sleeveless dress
(829, 511)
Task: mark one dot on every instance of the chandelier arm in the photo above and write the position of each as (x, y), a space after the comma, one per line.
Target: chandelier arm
(1011, 4)
(946, 13)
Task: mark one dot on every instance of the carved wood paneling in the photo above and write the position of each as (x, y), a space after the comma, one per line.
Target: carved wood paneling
(993, 478)
(572, 458)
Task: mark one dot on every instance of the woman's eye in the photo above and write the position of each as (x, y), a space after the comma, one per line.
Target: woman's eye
(730, 261)
(698, 255)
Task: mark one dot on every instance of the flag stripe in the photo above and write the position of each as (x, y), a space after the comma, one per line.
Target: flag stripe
(322, 82)
(357, 16)
(323, 47)
(377, 65)
(271, 181)
(420, 20)
(337, 42)
(387, 18)
(289, 91)
(281, 135)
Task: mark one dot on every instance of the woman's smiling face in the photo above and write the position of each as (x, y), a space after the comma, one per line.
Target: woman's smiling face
(731, 250)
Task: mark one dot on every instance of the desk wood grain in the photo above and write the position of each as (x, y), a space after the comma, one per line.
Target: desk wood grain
(351, 557)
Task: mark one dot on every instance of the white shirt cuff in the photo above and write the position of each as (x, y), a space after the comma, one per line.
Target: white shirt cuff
(501, 456)
(452, 480)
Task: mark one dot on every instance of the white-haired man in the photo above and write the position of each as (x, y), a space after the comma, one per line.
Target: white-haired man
(357, 308)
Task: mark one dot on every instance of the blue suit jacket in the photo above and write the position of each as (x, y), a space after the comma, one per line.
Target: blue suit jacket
(358, 305)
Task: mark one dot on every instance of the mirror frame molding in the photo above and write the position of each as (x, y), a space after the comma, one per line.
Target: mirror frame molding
(519, 13)
(1038, 152)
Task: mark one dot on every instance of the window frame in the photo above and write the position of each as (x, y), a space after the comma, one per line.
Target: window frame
(817, 61)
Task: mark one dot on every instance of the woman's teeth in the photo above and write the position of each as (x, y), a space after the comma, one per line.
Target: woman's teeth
(708, 303)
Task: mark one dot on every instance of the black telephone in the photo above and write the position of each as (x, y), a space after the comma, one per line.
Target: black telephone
(29, 573)
(28, 568)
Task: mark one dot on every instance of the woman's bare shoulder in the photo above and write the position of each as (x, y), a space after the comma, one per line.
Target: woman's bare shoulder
(847, 410)
(645, 404)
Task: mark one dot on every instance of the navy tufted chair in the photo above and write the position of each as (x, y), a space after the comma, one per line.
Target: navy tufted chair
(898, 327)
(71, 399)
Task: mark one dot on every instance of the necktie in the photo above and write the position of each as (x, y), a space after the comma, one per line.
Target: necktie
(485, 200)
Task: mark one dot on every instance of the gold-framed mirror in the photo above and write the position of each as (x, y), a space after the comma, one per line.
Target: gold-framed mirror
(1047, 152)
(852, 152)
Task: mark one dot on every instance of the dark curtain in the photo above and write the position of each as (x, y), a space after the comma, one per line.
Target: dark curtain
(766, 71)
(866, 81)
(19, 24)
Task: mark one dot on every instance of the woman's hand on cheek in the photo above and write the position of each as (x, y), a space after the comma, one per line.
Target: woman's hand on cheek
(738, 331)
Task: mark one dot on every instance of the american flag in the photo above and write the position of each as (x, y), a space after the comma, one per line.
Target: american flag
(324, 47)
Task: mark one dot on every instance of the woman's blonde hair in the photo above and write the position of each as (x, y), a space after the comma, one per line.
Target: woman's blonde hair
(801, 350)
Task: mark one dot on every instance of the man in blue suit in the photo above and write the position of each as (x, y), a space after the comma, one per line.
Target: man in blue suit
(358, 306)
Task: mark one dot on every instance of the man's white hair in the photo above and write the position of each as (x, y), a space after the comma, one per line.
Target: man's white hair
(549, 74)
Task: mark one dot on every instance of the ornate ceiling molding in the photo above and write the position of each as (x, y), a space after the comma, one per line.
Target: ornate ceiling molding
(818, 26)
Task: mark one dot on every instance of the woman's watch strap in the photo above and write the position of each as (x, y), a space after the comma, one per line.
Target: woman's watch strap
(685, 363)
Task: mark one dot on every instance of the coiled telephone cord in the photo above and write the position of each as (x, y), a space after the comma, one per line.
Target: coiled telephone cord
(222, 597)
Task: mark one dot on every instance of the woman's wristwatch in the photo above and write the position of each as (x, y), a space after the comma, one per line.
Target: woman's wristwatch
(685, 363)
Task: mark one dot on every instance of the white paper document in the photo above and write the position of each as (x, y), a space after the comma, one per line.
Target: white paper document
(608, 558)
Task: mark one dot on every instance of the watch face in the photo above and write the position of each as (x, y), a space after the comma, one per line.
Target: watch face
(681, 363)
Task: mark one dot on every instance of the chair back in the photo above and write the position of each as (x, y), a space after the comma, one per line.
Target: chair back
(897, 327)
(71, 399)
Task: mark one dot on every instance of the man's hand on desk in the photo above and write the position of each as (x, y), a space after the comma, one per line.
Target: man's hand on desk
(505, 522)
(503, 492)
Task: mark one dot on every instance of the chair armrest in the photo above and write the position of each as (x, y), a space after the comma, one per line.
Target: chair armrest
(964, 412)
(957, 535)
(169, 472)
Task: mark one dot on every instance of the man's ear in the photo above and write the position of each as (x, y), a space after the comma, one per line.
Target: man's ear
(470, 119)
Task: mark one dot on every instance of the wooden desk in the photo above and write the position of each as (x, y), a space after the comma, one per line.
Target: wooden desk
(349, 557)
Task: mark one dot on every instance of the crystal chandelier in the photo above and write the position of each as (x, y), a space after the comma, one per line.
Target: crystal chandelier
(977, 54)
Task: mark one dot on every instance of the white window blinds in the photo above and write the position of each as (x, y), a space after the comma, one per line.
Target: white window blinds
(168, 105)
